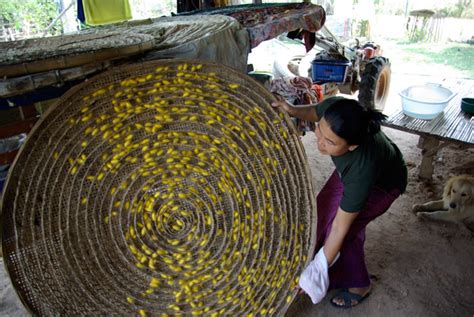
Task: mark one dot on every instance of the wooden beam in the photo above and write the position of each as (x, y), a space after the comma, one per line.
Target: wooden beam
(16, 128)
(8, 157)
(429, 148)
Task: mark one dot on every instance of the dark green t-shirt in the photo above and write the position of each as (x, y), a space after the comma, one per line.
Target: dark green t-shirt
(375, 162)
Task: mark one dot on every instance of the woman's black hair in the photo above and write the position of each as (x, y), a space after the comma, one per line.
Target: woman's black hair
(351, 121)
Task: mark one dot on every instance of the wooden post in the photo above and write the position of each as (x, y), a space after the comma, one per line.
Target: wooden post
(429, 148)
(426, 167)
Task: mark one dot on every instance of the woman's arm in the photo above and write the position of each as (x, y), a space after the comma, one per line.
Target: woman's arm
(306, 112)
(340, 227)
(315, 279)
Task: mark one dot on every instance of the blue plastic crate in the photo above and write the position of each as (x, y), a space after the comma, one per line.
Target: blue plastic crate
(329, 71)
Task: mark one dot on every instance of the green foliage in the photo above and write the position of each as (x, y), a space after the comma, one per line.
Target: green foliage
(9, 11)
(449, 8)
(461, 9)
(29, 15)
(363, 28)
(419, 29)
(461, 6)
(455, 55)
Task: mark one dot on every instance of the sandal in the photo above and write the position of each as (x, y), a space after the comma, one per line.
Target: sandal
(348, 297)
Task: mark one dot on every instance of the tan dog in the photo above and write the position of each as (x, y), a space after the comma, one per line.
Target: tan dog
(457, 204)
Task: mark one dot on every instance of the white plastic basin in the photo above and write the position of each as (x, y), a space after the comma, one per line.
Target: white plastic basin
(425, 101)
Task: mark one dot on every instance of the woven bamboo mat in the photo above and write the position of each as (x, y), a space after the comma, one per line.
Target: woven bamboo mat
(214, 38)
(168, 187)
(170, 31)
(37, 55)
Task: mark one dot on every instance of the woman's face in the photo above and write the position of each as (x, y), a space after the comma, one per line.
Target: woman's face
(330, 143)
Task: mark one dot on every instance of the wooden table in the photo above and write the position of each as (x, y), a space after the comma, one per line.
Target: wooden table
(451, 126)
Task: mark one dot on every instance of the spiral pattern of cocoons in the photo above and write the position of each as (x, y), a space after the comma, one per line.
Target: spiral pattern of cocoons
(167, 188)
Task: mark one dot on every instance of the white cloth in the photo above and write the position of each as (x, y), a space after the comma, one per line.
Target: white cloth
(315, 279)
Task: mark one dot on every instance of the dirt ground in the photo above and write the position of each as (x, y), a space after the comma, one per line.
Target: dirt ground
(419, 268)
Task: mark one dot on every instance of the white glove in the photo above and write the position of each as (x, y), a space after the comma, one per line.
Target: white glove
(315, 279)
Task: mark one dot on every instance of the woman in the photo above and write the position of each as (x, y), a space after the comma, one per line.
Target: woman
(370, 174)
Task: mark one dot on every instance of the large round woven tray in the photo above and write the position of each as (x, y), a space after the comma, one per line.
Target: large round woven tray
(168, 187)
(37, 55)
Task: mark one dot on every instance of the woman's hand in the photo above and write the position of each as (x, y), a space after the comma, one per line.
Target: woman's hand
(314, 279)
(282, 104)
(307, 112)
(300, 290)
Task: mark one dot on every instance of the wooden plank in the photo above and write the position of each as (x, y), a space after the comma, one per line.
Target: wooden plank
(28, 111)
(20, 85)
(8, 157)
(17, 113)
(423, 134)
(16, 128)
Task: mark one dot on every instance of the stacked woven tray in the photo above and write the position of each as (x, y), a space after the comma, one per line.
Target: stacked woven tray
(168, 187)
(32, 64)
(29, 65)
(58, 52)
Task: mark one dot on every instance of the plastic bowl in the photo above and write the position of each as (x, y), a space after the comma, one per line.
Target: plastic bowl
(425, 101)
(263, 77)
(467, 104)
